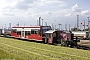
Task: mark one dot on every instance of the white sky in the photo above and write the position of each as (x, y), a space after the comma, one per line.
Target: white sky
(27, 12)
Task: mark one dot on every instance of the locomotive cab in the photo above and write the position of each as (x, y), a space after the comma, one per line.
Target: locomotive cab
(60, 37)
(50, 36)
(53, 37)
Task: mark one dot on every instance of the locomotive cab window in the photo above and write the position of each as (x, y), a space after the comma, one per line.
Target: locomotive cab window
(48, 35)
(54, 34)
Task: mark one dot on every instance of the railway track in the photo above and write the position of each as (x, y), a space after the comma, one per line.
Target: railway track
(83, 47)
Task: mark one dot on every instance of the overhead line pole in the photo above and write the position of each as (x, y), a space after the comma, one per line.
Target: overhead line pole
(69, 27)
(77, 22)
(42, 22)
(84, 25)
(39, 21)
(88, 24)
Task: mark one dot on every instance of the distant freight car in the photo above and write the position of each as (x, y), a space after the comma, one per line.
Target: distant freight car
(6, 32)
(82, 34)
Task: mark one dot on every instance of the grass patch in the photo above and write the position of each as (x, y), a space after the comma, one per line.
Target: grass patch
(4, 55)
(24, 50)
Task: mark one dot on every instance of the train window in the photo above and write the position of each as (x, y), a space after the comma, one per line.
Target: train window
(32, 31)
(19, 32)
(36, 31)
(54, 34)
(45, 28)
(28, 32)
(48, 35)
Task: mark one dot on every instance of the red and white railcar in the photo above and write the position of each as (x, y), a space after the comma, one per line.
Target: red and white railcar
(30, 32)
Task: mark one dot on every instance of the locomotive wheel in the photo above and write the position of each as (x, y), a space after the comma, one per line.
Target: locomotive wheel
(64, 43)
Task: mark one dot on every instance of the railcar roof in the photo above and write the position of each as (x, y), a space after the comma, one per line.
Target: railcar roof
(29, 26)
(50, 31)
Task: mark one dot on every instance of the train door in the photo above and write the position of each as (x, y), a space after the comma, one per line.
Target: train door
(23, 34)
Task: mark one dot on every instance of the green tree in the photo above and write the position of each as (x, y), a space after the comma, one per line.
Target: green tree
(74, 29)
(86, 29)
